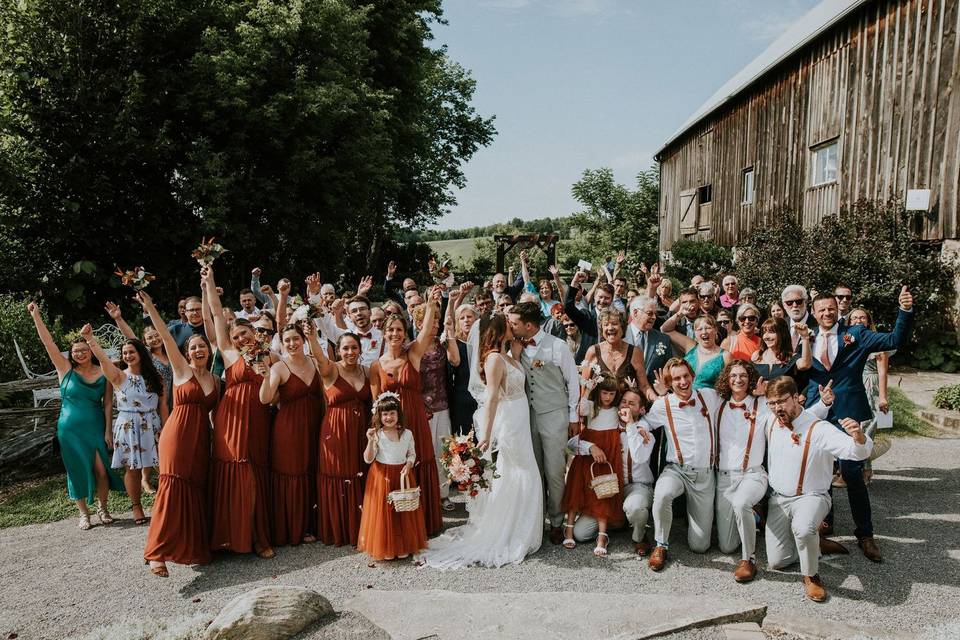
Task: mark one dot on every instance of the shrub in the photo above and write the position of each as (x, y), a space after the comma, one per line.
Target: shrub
(15, 322)
(703, 257)
(948, 397)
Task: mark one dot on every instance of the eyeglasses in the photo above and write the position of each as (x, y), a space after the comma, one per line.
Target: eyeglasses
(840, 297)
(567, 325)
(748, 318)
(193, 310)
(796, 302)
(265, 331)
(723, 323)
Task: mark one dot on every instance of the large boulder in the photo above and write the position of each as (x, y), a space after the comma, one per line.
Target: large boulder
(268, 613)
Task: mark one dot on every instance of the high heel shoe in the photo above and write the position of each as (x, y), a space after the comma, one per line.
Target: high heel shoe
(103, 514)
(143, 519)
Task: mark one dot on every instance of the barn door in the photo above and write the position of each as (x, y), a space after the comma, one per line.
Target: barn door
(688, 211)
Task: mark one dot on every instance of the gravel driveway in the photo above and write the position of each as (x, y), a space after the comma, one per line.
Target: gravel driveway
(57, 581)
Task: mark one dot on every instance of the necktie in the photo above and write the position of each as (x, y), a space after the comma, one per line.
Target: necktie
(825, 354)
(688, 403)
(643, 342)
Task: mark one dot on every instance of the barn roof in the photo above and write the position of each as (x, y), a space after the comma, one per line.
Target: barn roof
(803, 31)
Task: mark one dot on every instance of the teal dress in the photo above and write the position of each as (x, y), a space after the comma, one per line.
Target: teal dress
(80, 431)
(707, 374)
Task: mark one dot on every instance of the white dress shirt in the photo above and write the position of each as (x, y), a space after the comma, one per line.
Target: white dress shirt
(247, 315)
(636, 453)
(822, 342)
(371, 342)
(794, 336)
(559, 354)
(694, 431)
(826, 443)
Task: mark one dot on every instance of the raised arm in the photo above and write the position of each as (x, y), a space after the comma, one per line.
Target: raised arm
(524, 268)
(806, 352)
(179, 364)
(284, 288)
(428, 330)
(561, 287)
(326, 367)
(584, 322)
(114, 312)
(621, 256)
(110, 370)
(61, 363)
(230, 354)
(450, 339)
(679, 340)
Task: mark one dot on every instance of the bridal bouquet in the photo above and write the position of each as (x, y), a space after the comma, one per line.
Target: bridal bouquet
(137, 278)
(257, 351)
(304, 311)
(465, 464)
(207, 252)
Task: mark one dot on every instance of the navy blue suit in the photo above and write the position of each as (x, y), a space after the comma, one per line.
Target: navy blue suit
(855, 344)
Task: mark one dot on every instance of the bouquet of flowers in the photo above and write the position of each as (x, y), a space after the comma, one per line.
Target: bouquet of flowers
(441, 273)
(256, 351)
(137, 278)
(465, 464)
(208, 251)
(303, 311)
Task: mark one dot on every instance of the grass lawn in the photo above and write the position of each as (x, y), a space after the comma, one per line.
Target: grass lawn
(906, 416)
(45, 500)
(462, 249)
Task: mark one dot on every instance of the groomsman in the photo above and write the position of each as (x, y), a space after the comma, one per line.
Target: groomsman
(685, 417)
(800, 453)
(839, 355)
(553, 389)
(794, 299)
(655, 345)
(636, 445)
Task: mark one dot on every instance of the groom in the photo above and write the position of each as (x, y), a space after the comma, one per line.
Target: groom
(553, 389)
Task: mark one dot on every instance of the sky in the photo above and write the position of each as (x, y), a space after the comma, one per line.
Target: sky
(584, 84)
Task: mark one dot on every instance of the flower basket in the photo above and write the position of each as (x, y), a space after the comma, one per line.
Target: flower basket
(605, 486)
(404, 498)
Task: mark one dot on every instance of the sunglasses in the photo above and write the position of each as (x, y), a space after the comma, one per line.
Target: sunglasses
(265, 331)
(568, 325)
(748, 318)
(723, 322)
(704, 297)
(839, 297)
(793, 303)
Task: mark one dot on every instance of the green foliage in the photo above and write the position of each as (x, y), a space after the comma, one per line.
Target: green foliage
(947, 397)
(937, 351)
(560, 226)
(128, 130)
(15, 322)
(698, 257)
(871, 248)
(906, 416)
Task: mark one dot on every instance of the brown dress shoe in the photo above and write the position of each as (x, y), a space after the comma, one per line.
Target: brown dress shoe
(830, 547)
(556, 535)
(870, 548)
(745, 572)
(658, 558)
(642, 548)
(825, 529)
(815, 589)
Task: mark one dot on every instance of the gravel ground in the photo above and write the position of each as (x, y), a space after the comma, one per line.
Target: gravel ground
(58, 581)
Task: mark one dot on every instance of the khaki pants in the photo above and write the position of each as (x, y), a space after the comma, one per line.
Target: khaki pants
(637, 498)
(793, 531)
(549, 432)
(737, 492)
(699, 486)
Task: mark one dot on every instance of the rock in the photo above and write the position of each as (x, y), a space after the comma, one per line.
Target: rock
(271, 613)
(344, 626)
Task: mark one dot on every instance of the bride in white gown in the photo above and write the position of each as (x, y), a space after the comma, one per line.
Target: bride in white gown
(506, 522)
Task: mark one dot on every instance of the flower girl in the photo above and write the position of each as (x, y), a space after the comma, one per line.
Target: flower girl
(599, 410)
(385, 532)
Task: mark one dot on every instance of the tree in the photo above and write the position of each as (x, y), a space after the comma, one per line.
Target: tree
(301, 133)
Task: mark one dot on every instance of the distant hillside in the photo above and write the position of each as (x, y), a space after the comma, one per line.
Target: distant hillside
(540, 225)
(460, 250)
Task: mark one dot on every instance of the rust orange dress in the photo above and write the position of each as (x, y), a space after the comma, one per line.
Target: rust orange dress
(179, 530)
(240, 466)
(578, 496)
(340, 469)
(293, 455)
(384, 533)
(407, 386)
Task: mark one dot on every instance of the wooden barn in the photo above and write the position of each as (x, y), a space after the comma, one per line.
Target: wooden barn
(858, 99)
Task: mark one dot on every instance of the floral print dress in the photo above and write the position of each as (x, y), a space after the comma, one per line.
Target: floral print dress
(136, 428)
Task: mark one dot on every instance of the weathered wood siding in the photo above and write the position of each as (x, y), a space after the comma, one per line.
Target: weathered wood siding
(885, 83)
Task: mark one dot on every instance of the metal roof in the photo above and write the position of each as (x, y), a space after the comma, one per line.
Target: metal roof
(803, 31)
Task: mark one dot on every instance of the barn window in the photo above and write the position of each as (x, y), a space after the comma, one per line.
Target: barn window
(747, 197)
(825, 162)
(705, 194)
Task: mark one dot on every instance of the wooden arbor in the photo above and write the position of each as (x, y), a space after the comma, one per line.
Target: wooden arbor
(547, 242)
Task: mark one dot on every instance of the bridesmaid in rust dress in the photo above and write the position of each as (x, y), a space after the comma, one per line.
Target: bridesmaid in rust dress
(294, 385)
(179, 530)
(398, 370)
(341, 471)
(240, 465)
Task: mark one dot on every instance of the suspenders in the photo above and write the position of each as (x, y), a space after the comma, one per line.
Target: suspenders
(706, 414)
(803, 460)
(673, 430)
(753, 425)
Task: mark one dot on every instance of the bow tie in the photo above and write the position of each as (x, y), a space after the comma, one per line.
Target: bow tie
(367, 335)
(529, 342)
(738, 405)
(688, 403)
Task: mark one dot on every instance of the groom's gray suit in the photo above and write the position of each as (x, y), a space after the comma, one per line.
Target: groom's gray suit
(553, 389)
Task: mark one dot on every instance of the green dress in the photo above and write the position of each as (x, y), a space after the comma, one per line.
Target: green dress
(707, 374)
(80, 431)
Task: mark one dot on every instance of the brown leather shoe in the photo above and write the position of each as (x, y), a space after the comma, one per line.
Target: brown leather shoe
(830, 547)
(658, 558)
(745, 572)
(825, 529)
(815, 589)
(870, 548)
(556, 535)
(642, 548)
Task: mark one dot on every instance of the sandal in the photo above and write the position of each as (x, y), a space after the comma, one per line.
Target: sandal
(159, 569)
(569, 543)
(85, 522)
(309, 539)
(598, 551)
(103, 514)
(141, 520)
(267, 553)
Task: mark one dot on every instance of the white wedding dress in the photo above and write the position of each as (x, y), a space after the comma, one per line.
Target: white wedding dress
(506, 522)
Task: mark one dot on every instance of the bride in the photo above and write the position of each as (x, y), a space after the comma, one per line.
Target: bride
(506, 522)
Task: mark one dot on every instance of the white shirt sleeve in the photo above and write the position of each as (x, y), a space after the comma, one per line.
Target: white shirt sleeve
(578, 446)
(639, 451)
(820, 410)
(329, 327)
(656, 416)
(840, 444)
(568, 367)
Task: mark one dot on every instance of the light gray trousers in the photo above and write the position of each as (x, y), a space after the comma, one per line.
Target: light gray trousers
(737, 492)
(793, 531)
(549, 431)
(637, 498)
(699, 486)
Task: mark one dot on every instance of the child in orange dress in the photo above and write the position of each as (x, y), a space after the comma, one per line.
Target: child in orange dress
(599, 410)
(386, 534)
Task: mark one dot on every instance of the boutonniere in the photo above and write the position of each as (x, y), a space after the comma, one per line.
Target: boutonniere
(748, 415)
(373, 344)
(795, 437)
(848, 339)
(537, 364)
(661, 349)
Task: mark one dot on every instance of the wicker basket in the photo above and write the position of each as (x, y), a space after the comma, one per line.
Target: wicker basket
(404, 498)
(605, 486)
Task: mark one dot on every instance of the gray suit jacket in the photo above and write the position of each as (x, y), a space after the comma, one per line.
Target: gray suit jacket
(657, 352)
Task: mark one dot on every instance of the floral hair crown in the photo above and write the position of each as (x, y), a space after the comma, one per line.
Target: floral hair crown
(383, 396)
